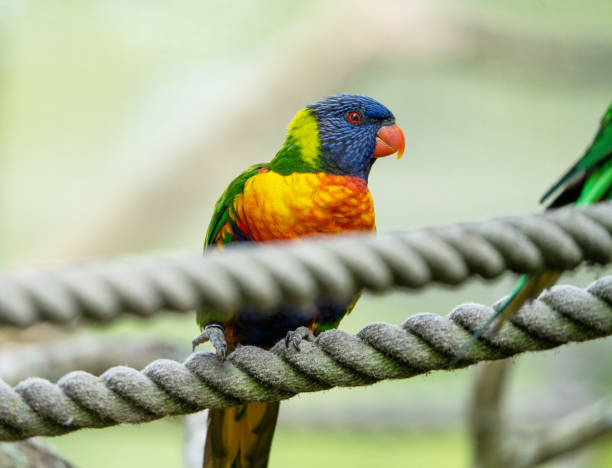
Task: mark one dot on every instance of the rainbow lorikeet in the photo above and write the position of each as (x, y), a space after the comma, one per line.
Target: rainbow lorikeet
(588, 181)
(316, 183)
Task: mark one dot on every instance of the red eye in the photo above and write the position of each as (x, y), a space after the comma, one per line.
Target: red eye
(354, 117)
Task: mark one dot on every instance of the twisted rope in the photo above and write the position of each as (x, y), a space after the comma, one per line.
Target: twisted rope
(425, 342)
(299, 273)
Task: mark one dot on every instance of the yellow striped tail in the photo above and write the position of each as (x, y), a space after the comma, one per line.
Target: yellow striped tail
(240, 437)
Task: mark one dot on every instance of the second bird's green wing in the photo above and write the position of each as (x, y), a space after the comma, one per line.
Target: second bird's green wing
(597, 155)
(588, 181)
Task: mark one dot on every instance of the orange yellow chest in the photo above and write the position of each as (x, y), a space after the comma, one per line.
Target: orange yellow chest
(274, 206)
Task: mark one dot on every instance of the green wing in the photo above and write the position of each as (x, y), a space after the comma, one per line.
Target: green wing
(222, 230)
(588, 181)
(591, 181)
(581, 186)
(223, 215)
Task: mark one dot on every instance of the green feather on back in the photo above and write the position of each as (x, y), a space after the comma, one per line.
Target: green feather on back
(222, 213)
(299, 153)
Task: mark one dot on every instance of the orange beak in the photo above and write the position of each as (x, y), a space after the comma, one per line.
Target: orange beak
(389, 140)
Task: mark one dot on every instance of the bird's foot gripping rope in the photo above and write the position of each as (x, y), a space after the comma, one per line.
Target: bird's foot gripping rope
(215, 333)
(296, 336)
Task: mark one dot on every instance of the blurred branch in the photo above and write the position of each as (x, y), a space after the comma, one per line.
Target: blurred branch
(90, 353)
(495, 446)
(571, 433)
(30, 453)
(486, 418)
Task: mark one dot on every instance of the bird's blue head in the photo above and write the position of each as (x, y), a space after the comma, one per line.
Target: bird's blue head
(340, 134)
(354, 130)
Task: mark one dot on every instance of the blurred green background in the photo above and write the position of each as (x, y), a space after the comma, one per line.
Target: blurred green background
(121, 122)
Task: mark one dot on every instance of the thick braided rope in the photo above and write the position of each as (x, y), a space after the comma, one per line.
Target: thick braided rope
(425, 342)
(334, 269)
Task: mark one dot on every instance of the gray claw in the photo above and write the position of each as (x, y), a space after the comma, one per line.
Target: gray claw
(296, 336)
(293, 337)
(215, 333)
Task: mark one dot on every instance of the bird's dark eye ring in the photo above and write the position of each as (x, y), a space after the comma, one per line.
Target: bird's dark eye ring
(353, 117)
